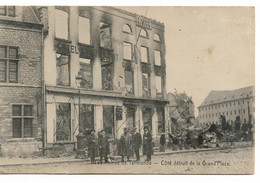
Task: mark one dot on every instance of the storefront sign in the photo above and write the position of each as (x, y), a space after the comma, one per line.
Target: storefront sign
(143, 22)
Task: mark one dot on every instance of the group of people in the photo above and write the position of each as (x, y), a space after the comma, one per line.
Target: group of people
(129, 143)
(98, 145)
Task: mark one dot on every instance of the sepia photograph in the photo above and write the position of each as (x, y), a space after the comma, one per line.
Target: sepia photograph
(127, 90)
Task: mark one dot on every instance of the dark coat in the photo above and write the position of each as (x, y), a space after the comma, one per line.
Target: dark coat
(92, 145)
(103, 145)
(147, 144)
(125, 145)
(137, 140)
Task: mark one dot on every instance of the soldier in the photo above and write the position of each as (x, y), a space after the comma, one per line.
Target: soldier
(137, 142)
(147, 143)
(92, 143)
(103, 146)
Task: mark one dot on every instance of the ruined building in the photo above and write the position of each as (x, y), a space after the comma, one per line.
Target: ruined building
(104, 68)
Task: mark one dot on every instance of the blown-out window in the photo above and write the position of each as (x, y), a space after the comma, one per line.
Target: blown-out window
(63, 70)
(86, 73)
(158, 82)
(144, 54)
(127, 29)
(143, 33)
(127, 50)
(61, 24)
(105, 36)
(161, 121)
(156, 37)
(157, 57)
(63, 122)
(84, 30)
(146, 84)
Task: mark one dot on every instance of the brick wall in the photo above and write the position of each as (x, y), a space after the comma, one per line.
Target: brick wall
(28, 89)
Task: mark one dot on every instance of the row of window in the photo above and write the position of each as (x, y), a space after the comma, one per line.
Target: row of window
(223, 113)
(22, 120)
(218, 122)
(221, 105)
(128, 54)
(62, 28)
(9, 72)
(7, 11)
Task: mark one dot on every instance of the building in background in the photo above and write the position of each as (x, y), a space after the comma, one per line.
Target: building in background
(104, 68)
(20, 81)
(229, 103)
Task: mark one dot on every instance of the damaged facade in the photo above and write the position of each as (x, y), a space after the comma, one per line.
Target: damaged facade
(104, 68)
(181, 110)
(20, 81)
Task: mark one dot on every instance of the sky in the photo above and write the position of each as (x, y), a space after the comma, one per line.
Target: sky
(207, 48)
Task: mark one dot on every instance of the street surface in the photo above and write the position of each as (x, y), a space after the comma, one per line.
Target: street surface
(234, 161)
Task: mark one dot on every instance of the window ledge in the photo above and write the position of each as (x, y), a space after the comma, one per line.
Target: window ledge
(18, 85)
(29, 139)
(63, 40)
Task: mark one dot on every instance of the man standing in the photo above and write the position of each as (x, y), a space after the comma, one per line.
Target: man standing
(103, 146)
(92, 143)
(125, 145)
(137, 142)
(147, 143)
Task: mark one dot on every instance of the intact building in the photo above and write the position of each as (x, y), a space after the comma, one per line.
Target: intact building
(104, 68)
(230, 103)
(20, 81)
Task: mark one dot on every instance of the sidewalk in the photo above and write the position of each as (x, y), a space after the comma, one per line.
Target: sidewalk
(19, 161)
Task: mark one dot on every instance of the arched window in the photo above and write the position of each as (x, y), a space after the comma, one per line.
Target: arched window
(127, 29)
(143, 33)
(156, 37)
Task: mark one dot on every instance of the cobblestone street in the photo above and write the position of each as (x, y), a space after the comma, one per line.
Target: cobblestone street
(209, 162)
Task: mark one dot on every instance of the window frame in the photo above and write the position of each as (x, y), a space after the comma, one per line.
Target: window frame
(68, 27)
(89, 30)
(147, 54)
(7, 60)
(23, 117)
(69, 69)
(125, 42)
(6, 11)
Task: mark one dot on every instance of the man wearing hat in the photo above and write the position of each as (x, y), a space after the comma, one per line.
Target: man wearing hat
(125, 145)
(137, 142)
(147, 143)
(103, 146)
(92, 143)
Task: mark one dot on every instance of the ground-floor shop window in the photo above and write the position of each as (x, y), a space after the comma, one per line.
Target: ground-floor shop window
(108, 120)
(130, 117)
(22, 121)
(86, 117)
(147, 117)
(161, 120)
(63, 122)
